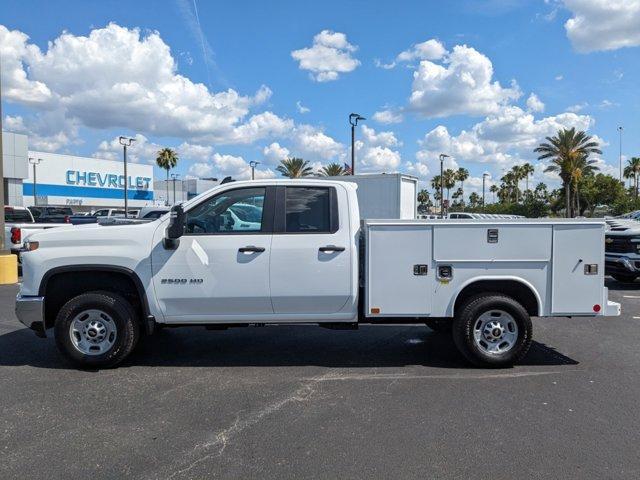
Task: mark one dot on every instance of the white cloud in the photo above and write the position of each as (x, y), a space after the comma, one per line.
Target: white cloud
(48, 132)
(500, 140)
(430, 50)
(380, 159)
(559, 77)
(577, 107)
(301, 108)
(375, 151)
(603, 24)
(220, 166)
(385, 139)
(534, 104)
(328, 57)
(388, 116)
(313, 144)
(118, 77)
(275, 152)
(462, 84)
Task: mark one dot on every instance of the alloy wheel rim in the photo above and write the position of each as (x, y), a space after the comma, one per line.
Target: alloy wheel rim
(93, 332)
(495, 332)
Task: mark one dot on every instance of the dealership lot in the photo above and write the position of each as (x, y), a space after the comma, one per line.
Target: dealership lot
(291, 402)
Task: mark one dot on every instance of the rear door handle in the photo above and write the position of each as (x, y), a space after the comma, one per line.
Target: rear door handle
(251, 249)
(331, 248)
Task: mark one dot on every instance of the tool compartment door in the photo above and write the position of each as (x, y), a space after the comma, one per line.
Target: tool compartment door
(574, 246)
(393, 289)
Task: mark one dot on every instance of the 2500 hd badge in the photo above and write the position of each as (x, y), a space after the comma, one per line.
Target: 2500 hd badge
(181, 281)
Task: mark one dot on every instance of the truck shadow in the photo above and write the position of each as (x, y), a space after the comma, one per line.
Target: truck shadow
(277, 346)
(614, 285)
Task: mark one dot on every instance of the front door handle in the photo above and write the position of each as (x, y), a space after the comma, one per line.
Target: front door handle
(251, 249)
(331, 248)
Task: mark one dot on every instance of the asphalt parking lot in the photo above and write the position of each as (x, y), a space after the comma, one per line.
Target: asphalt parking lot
(305, 402)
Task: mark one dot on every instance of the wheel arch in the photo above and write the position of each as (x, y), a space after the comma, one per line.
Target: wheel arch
(60, 284)
(517, 288)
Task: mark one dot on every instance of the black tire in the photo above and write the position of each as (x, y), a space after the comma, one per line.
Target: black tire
(624, 277)
(121, 312)
(466, 320)
(440, 325)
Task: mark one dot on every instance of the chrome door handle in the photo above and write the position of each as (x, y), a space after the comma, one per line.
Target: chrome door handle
(251, 249)
(331, 248)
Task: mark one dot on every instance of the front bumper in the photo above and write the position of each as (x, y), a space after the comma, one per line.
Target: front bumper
(30, 312)
(621, 264)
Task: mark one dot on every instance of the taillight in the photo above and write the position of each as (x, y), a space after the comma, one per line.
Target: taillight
(67, 219)
(16, 235)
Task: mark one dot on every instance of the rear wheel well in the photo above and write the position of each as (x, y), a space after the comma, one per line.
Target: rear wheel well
(63, 286)
(517, 290)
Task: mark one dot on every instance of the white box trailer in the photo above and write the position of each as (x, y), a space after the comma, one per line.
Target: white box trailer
(432, 262)
(385, 195)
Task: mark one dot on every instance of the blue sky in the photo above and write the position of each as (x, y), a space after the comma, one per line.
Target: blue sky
(253, 70)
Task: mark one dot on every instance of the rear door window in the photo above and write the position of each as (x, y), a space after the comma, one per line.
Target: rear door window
(307, 210)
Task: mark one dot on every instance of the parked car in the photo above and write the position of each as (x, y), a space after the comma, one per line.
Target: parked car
(19, 223)
(151, 213)
(309, 259)
(622, 249)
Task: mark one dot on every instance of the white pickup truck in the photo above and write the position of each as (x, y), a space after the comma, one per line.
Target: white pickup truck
(308, 259)
(19, 224)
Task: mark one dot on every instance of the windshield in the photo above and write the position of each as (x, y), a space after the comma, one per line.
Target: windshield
(16, 216)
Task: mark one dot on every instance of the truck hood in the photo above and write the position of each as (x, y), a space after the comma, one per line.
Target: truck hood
(95, 234)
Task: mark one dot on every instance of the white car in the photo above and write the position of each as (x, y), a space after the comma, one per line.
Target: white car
(305, 256)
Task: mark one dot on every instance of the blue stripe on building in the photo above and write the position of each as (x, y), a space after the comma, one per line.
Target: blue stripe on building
(87, 192)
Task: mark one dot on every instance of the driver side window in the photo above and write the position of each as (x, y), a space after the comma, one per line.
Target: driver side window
(231, 212)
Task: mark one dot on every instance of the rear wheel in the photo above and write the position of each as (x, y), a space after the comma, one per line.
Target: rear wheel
(96, 329)
(492, 330)
(624, 277)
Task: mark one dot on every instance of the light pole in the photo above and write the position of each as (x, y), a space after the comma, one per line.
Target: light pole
(442, 157)
(35, 162)
(353, 121)
(253, 164)
(620, 130)
(484, 177)
(126, 142)
(174, 176)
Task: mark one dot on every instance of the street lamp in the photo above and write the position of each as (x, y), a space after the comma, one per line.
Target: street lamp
(174, 176)
(442, 157)
(253, 164)
(620, 130)
(353, 121)
(484, 177)
(126, 142)
(35, 162)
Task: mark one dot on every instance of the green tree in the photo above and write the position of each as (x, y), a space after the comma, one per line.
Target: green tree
(167, 159)
(634, 166)
(462, 174)
(527, 170)
(474, 200)
(494, 189)
(600, 190)
(423, 200)
(569, 152)
(332, 170)
(435, 184)
(294, 168)
(449, 180)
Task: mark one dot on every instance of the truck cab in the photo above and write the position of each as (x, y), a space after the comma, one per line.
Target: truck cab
(296, 251)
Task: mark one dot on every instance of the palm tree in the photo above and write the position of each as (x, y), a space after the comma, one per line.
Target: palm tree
(435, 184)
(294, 168)
(518, 174)
(332, 170)
(494, 189)
(569, 151)
(634, 166)
(527, 170)
(461, 175)
(449, 180)
(167, 159)
(628, 174)
(423, 200)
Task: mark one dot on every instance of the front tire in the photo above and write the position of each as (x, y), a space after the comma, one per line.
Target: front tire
(492, 330)
(624, 278)
(96, 329)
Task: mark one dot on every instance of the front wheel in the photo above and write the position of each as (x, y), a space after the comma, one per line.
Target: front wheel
(96, 329)
(492, 330)
(624, 277)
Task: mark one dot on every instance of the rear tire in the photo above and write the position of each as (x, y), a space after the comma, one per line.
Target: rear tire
(96, 329)
(492, 330)
(439, 325)
(624, 278)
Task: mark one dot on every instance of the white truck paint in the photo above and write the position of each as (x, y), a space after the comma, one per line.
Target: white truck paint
(310, 262)
(384, 195)
(19, 224)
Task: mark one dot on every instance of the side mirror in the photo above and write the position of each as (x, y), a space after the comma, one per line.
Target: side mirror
(176, 227)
